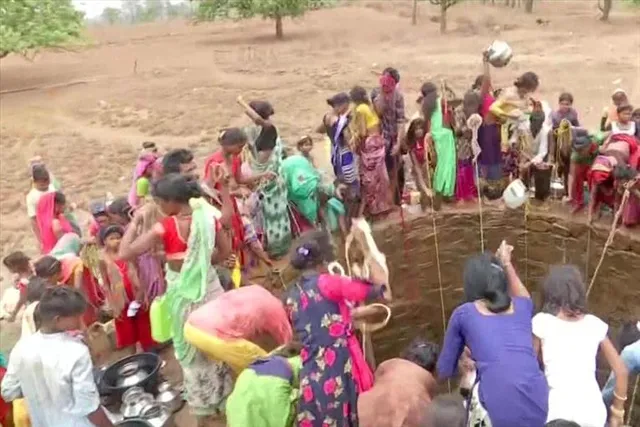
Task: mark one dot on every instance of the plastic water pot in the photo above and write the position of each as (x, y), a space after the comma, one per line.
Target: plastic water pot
(515, 195)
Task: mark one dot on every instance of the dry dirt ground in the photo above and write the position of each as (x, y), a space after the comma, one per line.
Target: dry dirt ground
(176, 83)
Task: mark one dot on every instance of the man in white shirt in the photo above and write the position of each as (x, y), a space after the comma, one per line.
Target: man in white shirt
(53, 370)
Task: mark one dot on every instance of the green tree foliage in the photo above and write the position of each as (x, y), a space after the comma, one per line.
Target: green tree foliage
(269, 9)
(27, 25)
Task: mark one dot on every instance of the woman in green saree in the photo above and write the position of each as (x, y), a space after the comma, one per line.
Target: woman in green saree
(306, 192)
(444, 179)
(195, 236)
(264, 153)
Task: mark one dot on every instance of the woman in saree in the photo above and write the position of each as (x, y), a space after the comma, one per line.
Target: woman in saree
(334, 370)
(228, 160)
(512, 109)
(343, 158)
(262, 154)
(52, 224)
(141, 185)
(193, 240)
(370, 145)
(439, 128)
(311, 199)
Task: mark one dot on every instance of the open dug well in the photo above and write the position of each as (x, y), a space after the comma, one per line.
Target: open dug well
(551, 238)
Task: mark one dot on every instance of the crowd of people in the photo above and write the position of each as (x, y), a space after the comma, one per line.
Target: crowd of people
(170, 262)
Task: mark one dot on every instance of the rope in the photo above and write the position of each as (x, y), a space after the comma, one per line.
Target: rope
(612, 233)
(526, 244)
(474, 122)
(633, 400)
(435, 241)
(371, 253)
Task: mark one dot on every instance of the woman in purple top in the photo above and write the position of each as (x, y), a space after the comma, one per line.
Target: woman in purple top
(510, 389)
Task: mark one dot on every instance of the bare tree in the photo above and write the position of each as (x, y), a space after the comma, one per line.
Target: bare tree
(414, 13)
(528, 6)
(444, 6)
(605, 9)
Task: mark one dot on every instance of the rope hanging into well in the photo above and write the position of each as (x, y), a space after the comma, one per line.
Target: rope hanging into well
(612, 233)
(435, 233)
(633, 400)
(474, 122)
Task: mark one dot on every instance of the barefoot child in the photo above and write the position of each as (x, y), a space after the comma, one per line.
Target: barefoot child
(305, 145)
(20, 266)
(126, 296)
(53, 370)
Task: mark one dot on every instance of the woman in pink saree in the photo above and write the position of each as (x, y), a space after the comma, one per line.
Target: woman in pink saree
(51, 221)
(334, 370)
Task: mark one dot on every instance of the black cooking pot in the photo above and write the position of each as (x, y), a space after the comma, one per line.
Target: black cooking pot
(111, 380)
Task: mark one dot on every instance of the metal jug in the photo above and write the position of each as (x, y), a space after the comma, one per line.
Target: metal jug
(499, 53)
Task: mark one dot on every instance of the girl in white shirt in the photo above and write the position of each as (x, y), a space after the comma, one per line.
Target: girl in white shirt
(567, 340)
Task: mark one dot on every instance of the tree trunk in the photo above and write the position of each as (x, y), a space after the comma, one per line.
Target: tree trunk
(528, 6)
(414, 14)
(443, 16)
(279, 31)
(606, 9)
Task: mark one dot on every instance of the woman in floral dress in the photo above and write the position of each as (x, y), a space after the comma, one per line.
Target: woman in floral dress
(334, 370)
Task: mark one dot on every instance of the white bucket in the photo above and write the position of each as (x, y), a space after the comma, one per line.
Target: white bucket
(515, 195)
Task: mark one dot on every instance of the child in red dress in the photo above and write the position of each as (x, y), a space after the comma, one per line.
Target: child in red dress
(126, 296)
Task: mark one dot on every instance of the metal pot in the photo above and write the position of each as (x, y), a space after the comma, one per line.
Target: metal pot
(114, 384)
(157, 414)
(130, 375)
(169, 396)
(499, 54)
(134, 404)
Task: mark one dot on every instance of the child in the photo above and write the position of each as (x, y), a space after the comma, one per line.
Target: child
(624, 124)
(41, 184)
(465, 186)
(610, 114)
(266, 392)
(50, 269)
(568, 340)
(52, 370)
(565, 111)
(583, 153)
(305, 145)
(20, 266)
(421, 156)
(31, 319)
(125, 295)
(629, 347)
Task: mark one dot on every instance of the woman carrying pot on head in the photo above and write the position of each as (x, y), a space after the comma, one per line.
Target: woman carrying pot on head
(495, 324)
(334, 370)
(194, 237)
